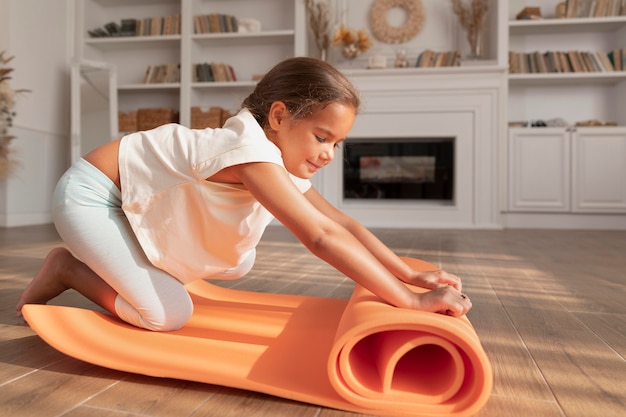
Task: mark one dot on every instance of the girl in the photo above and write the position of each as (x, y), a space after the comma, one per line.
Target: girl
(154, 210)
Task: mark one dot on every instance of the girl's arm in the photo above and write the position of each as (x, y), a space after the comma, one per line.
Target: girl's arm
(426, 279)
(337, 245)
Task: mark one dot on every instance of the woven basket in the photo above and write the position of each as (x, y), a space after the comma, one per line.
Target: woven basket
(203, 119)
(127, 122)
(225, 116)
(150, 118)
(215, 117)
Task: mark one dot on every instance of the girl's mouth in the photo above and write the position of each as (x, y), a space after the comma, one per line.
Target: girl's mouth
(312, 166)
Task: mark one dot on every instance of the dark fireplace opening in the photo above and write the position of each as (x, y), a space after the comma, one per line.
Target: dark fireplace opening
(399, 169)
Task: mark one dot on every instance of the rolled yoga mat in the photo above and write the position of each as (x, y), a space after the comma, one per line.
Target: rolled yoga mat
(360, 355)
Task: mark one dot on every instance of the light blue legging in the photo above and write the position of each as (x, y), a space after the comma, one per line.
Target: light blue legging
(88, 216)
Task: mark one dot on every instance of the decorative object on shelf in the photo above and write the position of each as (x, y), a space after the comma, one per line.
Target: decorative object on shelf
(7, 102)
(249, 25)
(594, 123)
(385, 32)
(376, 62)
(472, 19)
(351, 41)
(560, 10)
(401, 60)
(530, 13)
(319, 18)
(518, 123)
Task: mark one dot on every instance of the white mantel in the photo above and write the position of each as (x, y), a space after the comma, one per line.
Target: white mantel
(460, 103)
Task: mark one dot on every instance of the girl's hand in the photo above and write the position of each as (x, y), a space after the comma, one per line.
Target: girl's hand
(435, 279)
(444, 300)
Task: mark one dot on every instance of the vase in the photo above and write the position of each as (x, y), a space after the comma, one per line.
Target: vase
(475, 40)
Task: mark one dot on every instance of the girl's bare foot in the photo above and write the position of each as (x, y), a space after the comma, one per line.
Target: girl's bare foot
(48, 283)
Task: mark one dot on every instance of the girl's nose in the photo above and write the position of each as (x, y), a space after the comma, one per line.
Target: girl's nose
(328, 153)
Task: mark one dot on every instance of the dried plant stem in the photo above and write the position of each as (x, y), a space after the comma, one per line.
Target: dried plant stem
(472, 19)
(319, 18)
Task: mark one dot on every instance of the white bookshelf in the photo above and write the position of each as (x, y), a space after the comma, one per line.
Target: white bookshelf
(546, 172)
(571, 96)
(248, 53)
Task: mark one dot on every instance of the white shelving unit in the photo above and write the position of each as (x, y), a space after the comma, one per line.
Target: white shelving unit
(248, 53)
(551, 95)
(559, 170)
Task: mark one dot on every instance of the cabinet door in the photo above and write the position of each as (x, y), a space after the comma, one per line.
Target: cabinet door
(599, 170)
(539, 170)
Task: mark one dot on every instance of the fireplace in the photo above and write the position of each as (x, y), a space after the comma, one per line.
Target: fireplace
(423, 150)
(399, 169)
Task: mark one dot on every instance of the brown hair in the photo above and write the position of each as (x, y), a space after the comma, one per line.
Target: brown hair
(305, 85)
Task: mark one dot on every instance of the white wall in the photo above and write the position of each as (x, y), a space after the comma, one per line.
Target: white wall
(440, 30)
(39, 35)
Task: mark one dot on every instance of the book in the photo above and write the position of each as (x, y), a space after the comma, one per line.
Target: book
(605, 61)
(113, 28)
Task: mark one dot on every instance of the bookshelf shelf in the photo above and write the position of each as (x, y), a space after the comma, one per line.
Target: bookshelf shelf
(119, 42)
(573, 79)
(152, 86)
(559, 26)
(223, 84)
(245, 37)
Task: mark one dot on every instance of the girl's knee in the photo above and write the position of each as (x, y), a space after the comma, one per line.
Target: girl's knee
(170, 318)
(158, 316)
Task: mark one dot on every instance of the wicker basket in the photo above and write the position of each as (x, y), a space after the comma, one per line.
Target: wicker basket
(127, 122)
(150, 118)
(225, 116)
(203, 119)
(213, 118)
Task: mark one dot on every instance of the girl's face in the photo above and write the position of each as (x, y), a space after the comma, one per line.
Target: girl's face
(309, 144)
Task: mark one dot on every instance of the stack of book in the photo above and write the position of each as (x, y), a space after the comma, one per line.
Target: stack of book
(214, 71)
(430, 58)
(215, 23)
(566, 61)
(149, 26)
(594, 8)
(166, 73)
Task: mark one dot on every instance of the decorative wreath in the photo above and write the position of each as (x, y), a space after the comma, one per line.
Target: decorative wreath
(383, 31)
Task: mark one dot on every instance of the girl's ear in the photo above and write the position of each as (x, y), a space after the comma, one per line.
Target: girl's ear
(277, 115)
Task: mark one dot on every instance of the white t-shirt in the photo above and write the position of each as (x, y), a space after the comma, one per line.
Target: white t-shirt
(187, 226)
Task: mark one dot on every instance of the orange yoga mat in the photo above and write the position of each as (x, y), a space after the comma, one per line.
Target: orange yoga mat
(361, 355)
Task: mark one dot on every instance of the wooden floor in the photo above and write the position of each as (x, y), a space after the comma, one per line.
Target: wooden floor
(549, 308)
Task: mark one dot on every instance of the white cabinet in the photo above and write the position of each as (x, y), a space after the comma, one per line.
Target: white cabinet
(599, 170)
(539, 170)
(558, 170)
(249, 54)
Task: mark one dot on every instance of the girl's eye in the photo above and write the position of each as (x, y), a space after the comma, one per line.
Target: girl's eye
(320, 139)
